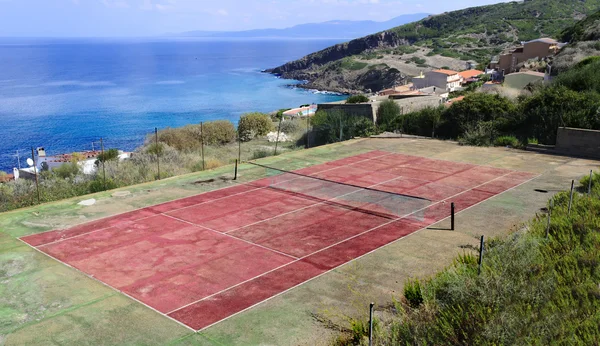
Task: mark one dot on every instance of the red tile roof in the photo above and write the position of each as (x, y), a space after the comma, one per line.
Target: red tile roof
(447, 72)
(470, 73)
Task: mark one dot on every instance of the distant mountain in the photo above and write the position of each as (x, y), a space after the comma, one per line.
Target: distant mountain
(332, 29)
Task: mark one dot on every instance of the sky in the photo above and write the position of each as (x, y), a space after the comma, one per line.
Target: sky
(127, 18)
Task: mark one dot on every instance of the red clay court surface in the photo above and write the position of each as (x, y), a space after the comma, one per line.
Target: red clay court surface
(204, 258)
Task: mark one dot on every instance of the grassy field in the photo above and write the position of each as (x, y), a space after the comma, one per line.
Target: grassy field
(44, 302)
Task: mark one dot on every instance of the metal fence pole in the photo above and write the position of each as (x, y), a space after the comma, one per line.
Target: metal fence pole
(452, 216)
(278, 132)
(157, 151)
(239, 147)
(371, 324)
(307, 132)
(549, 217)
(590, 182)
(103, 162)
(37, 185)
(481, 249)
(202, 143)
(236, 170)
(571, 197)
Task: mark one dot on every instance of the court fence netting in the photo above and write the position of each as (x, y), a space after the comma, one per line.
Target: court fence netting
(367, 200)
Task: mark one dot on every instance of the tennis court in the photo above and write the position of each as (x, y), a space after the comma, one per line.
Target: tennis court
(202, 259)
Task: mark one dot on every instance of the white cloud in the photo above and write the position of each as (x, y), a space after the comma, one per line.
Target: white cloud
(114, 3)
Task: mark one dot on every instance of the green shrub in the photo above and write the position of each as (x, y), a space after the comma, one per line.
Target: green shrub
(108, 155)
(386, 115)
(357, 99)
(66, 170)
(479, 135)
(219, 132)
(252, 125)
(413, 294)
(506, 141)
(292, 126)
(97, 185)
(261, 153)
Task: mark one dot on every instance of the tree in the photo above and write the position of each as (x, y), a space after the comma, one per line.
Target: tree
(357, 99)
(255, 124)
(387, 114)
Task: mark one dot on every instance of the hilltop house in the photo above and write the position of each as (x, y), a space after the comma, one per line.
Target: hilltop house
(535, 49)
(446, 80)
(469, 76)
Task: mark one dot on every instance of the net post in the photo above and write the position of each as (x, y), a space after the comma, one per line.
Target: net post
(371, 323)
(452, 209)
(571, 196)
(37, 185)
(202, 144)
(481, 249)
(236, 170)
(590, 183)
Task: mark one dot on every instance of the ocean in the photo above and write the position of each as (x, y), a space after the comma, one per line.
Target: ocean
(64, 95)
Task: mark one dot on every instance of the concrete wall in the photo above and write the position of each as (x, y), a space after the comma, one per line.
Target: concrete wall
(578, 142)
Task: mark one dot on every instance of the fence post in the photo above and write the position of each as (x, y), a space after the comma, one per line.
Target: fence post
(549, 217)
(590, 183)
(157, 151)
(103, 162)
(481, 249)
(452, 216)
(278, 132)
(37, 185)
(239, 146)
(307, 132)
(236, 169)
(202, 143)
(371, 323)
(571, 196)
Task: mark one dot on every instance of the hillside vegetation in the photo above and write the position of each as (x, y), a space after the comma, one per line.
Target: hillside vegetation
(584, 38)
(450, 39)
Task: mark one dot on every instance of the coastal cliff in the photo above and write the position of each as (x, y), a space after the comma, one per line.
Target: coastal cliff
(454, 40)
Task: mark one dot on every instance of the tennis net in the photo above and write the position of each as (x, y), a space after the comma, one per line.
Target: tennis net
(349, 196)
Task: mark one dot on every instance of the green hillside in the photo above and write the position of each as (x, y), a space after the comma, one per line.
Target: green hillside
(449, 39)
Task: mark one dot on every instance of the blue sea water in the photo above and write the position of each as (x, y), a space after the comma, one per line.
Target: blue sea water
(65, 94)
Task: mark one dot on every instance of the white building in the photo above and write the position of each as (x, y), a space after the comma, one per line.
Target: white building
(447, 80)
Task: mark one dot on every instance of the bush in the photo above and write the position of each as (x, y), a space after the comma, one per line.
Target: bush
(219, 132)
(66, 170)
(507, 141)
(97, 185)
(261, 153)
(479, 135)
(357, 99)
(110, 154)
(386, 115)
(291, 126)
(252, 125)
(412, 293)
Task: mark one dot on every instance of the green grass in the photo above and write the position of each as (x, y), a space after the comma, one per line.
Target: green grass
(352, 65)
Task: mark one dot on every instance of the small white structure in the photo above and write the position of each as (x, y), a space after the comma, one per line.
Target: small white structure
(447, 80)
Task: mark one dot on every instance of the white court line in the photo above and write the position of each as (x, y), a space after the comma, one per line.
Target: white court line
(296, 259)
(107, 285)
(359, 257)
(347, 239)
(233, 237)
(174, 210)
